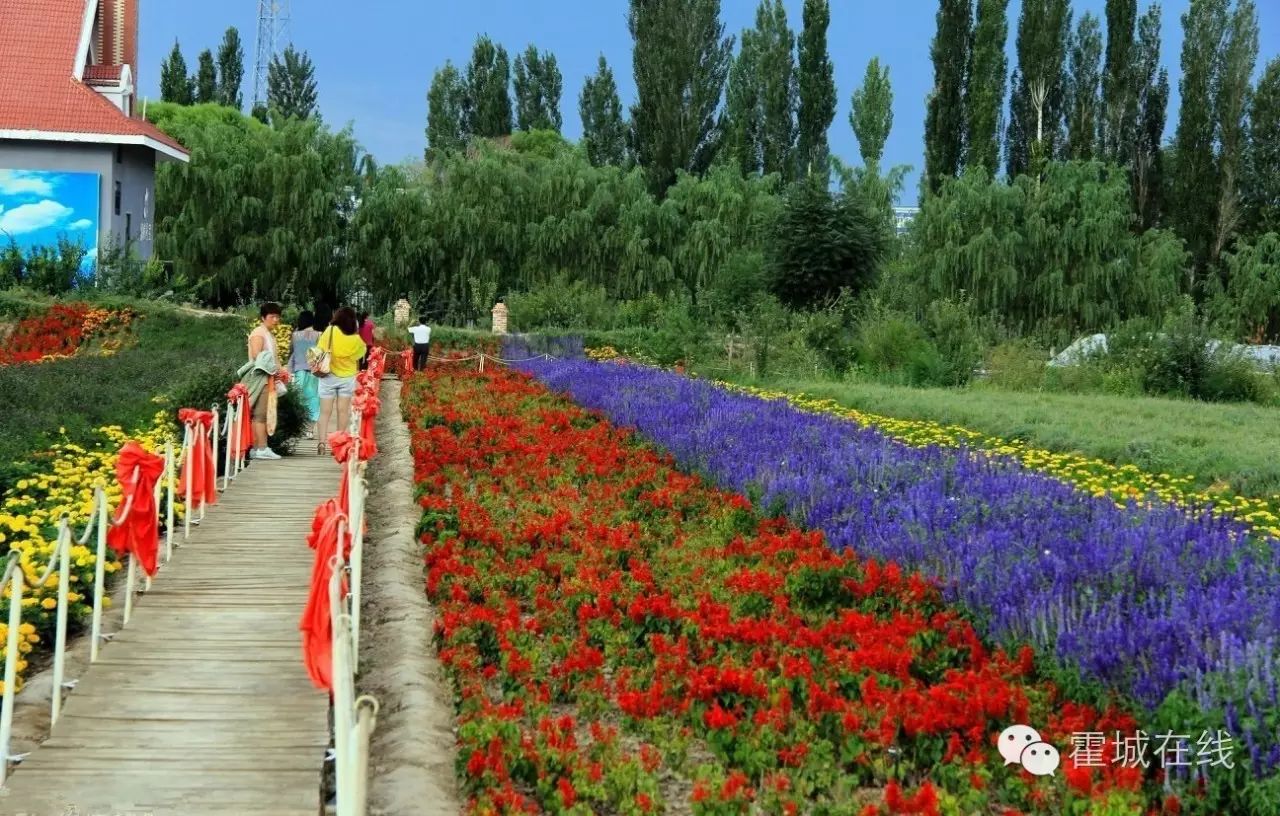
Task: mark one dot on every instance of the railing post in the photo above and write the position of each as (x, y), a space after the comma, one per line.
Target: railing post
(10, 663)
(65, 539)
(187, 444)
(241, 406)
(99, 572)
(342, 681)
(169, 511)
(227, 475)
(215, 445)
(357, 496)
(129, 588)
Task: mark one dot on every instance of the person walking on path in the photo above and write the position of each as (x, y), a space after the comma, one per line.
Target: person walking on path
(421, 343)
(345, 347)
(305, 337)
(366, 334)
(258, 375)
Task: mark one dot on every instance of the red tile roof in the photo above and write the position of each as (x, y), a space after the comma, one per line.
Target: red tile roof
(38, 44)
(95, 74)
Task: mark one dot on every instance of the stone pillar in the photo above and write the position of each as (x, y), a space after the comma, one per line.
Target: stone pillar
(402, 312)
(500, 318)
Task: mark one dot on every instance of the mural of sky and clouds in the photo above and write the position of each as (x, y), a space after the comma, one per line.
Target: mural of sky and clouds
(37, 206)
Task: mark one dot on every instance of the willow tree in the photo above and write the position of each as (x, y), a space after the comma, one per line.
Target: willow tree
(1055, 256)
(507, 221)
(260, 211)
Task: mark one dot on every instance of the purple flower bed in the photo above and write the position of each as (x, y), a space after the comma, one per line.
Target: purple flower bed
(1148, 601)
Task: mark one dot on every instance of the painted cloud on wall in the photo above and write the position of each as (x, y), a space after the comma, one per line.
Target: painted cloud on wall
(38, 207)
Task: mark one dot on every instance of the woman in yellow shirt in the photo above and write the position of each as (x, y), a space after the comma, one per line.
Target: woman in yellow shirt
(342, 341)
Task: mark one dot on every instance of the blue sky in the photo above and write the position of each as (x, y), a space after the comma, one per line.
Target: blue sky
(37, 206)
(374, 59)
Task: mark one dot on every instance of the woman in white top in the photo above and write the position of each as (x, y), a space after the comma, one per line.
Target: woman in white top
(260, 339)
(421, 343)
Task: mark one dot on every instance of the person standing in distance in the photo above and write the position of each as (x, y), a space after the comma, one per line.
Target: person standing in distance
(421, 343)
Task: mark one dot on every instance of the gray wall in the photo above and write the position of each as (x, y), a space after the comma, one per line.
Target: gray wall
(135, 171)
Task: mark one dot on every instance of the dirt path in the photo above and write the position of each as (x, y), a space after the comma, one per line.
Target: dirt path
(412, 766)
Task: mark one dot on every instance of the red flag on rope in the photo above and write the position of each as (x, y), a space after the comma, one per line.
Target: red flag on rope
(139, 532)
(317, 616)
(199, 467)
(239, 395)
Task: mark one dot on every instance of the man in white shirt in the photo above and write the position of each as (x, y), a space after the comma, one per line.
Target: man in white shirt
(421, 343)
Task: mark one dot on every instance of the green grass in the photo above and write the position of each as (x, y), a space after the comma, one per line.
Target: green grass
(1235, 443)
(168, 351)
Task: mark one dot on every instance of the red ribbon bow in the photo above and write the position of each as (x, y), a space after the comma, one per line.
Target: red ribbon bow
(199, 466)
(139, 532)
(317, 617)
(239, 394)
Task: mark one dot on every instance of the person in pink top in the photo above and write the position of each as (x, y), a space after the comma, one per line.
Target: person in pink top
(366, 334)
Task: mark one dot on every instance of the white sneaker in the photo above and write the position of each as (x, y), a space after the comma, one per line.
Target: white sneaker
(265, 453)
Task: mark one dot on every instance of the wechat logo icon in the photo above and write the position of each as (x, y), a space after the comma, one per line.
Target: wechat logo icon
(1021, 745)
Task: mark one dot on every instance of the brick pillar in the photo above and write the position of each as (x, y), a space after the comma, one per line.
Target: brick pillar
(500, 318)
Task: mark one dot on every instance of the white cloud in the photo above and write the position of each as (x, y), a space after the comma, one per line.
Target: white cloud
(82, 224)
(18, 182)
(32, 217)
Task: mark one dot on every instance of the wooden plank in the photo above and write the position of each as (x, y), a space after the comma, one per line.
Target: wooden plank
(201, 706)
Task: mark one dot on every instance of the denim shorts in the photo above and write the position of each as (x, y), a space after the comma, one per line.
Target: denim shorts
(332, 386)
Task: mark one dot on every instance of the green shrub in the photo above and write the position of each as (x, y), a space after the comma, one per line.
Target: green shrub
(735, 285)
(564, 304)
(954, 328)
(828, 334)
(1016, 365)
(893, 344)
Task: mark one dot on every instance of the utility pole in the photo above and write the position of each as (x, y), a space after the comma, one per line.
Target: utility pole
(273, 34)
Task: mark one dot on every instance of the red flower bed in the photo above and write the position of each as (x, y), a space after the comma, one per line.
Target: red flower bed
(625, 638)
(59, 332)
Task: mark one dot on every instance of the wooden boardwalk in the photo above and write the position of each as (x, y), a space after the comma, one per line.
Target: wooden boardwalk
(201, 706)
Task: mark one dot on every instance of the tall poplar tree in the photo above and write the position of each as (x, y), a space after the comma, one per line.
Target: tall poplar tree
(206, 81)
(1146, 158)
(742, 125)
(760, 110)
(984, 93)
(604, 133)
(1081, 97)
(778, 102)
(538, 85)
(1036, 108)
(231, 70)
(488, 90)
(945, 117)
(1260, 183)
(1119, 113)
(446, 113)
(871, 113)
(1194, 172)
(1231, 104)
(680, 59)
(817, 93)
(175, 84)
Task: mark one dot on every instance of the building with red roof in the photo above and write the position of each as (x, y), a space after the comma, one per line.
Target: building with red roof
(68, 104)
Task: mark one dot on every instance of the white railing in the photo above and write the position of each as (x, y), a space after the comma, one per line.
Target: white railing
(100, 521)
(353, 718)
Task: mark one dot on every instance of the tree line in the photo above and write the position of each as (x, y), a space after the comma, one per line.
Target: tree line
(291, 83)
